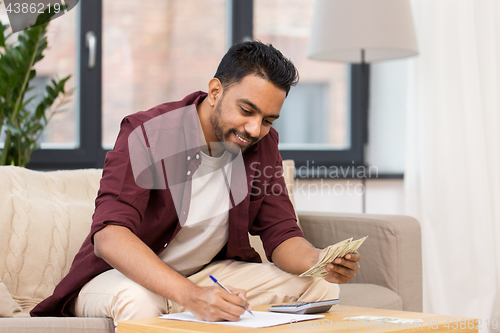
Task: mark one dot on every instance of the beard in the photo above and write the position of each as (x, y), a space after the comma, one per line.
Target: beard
(217, 122)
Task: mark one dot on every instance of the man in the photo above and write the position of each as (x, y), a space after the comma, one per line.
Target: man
(183, 186)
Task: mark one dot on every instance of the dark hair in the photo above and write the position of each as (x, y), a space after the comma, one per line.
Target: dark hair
(260, 59)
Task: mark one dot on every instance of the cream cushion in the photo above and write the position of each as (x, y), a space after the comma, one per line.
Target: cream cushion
(45, 216)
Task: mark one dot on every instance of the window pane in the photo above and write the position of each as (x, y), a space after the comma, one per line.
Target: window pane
(59, 61)
(316, 112)
(157, 52)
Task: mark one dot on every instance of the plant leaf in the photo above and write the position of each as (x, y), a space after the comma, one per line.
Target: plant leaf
(13, 129)
(3, 27)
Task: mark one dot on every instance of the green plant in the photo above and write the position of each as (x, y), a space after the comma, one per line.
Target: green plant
(22, 121)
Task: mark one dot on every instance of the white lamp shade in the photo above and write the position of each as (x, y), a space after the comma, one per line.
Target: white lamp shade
(342, 28)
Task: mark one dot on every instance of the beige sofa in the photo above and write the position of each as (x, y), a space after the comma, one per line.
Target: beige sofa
(45, 216)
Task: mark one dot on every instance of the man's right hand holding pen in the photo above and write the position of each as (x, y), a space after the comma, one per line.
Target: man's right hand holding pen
(216, 304)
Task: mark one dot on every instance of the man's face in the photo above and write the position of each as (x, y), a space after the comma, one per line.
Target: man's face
(245, 112)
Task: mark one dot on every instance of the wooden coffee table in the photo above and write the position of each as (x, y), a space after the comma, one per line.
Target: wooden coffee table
(333, 320)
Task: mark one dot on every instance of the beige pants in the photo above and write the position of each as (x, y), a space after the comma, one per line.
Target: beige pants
(111, 294)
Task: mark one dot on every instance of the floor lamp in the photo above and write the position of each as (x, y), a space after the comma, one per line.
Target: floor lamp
(360, 32)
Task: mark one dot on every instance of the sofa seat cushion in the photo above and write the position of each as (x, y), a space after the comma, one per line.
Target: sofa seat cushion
(56, 325)
(45, 216)
(369, 296)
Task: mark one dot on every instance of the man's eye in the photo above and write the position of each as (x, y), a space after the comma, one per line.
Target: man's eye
(245, 110)
(268, 122)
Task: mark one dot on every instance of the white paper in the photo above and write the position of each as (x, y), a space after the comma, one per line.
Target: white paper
(259, 319)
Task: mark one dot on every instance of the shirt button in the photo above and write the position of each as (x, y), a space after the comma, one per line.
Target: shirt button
(189, 157)
(197, 156)
(188, 173)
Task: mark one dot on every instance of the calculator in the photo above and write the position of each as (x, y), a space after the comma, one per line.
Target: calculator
(304, 307)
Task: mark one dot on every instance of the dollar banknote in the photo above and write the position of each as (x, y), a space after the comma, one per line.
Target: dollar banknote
(333, 252)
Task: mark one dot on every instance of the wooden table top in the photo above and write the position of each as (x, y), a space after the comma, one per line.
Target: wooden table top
(333, 320)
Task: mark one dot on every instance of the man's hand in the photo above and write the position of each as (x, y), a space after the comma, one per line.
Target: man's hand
(216, 304)
(341, 270)
(123, 250)
(285, 257)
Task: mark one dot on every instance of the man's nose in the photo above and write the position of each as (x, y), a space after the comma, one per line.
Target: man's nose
(253, 127)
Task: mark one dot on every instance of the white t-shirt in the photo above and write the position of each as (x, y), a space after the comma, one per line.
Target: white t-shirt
(206, 230)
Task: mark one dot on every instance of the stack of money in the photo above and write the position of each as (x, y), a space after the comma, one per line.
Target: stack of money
(338, 250)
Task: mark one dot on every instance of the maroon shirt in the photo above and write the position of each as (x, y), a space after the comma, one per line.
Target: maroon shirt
(151, 213)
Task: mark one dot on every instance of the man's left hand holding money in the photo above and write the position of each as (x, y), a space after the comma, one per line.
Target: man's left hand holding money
(341, 270)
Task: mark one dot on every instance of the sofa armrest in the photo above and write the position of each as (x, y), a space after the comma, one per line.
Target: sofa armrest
(391, 256)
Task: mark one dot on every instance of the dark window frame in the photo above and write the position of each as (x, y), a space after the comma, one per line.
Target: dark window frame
(90, 153)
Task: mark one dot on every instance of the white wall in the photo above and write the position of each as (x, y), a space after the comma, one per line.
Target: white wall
(382, 196)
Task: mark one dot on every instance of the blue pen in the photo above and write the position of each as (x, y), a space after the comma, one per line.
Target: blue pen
(220, 284)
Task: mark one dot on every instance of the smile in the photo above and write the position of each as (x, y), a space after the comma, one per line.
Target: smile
(241, 139)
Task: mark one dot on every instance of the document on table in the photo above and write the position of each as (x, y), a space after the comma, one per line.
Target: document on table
(259, 319)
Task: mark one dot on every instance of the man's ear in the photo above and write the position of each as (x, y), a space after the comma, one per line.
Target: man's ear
(214, 91)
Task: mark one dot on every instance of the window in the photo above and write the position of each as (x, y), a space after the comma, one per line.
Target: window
(70, 140)
(322, 123)
(161, 51)
(302, 119)
(60, 60)
(157, 52)
(144, 56)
